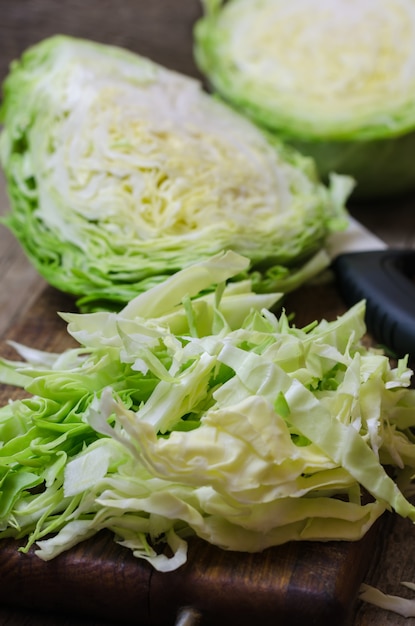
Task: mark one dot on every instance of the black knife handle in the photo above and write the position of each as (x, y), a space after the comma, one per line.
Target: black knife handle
(386, 280)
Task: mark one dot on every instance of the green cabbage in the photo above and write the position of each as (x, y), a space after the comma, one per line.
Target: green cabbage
(396, 604)
(121, 172)
(334, 79)
(204, 413)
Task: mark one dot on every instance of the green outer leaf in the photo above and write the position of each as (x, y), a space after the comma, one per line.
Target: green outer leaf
(381, 167)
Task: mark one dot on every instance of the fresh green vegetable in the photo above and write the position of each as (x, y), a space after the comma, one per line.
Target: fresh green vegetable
(396, 604)
(335, 79)
(121, 172)
(205, 414)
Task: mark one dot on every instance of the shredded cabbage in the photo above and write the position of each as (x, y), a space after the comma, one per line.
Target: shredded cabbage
(395, 604)
(335, 79)
(196, 410)
(121, 172)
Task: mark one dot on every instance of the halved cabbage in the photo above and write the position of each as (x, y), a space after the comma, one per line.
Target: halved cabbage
(121, 172)
(335, 79)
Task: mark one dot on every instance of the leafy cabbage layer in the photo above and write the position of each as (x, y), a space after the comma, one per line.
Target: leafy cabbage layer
(121, 172)
(205, 414)
(335, 79)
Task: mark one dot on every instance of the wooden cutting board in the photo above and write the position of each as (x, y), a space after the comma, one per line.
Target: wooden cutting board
(295, 584)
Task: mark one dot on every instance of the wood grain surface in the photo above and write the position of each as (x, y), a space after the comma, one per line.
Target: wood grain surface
(161, 29)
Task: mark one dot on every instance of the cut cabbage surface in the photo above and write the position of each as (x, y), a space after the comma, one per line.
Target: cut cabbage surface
(335, 78)
(121, 172)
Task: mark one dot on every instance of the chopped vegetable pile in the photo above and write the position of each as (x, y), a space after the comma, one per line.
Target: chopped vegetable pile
(196, 410)
(121, 172)
(335, 79)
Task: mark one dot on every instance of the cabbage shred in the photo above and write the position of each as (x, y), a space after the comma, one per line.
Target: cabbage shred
(197, 411)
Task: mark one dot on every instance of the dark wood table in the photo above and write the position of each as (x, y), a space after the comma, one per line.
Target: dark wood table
(162, 29)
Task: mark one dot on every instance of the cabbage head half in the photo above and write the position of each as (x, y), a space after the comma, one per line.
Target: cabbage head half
(335, 78)
(121, 172)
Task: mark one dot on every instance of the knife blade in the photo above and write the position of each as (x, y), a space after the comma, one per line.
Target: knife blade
(366, 268)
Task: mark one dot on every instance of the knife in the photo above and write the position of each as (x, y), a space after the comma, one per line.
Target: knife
(366, 268)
